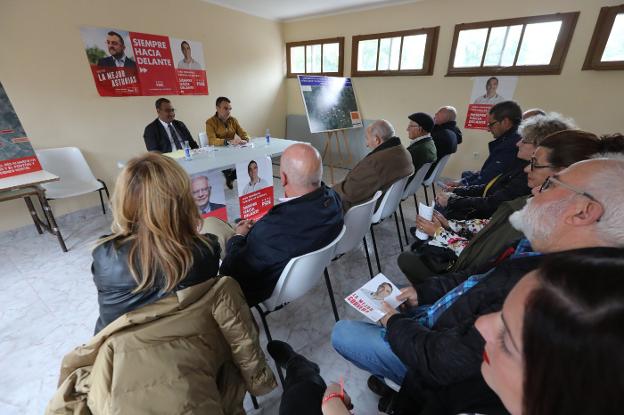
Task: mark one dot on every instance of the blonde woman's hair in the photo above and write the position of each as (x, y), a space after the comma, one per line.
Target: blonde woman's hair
(154, 211)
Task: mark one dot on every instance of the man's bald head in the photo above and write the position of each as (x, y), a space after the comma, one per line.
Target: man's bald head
(301, 169)
(444, 115)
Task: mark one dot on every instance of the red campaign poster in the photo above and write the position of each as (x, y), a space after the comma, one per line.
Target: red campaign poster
(255, 187)
(477, 117)
(155, 69)
(256, 204)
(188, 56)
(16, 153)
(209, 194)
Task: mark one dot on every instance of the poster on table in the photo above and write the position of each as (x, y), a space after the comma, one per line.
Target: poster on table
(16, 153)
(130, 63)
(209, 194)
(330, 103)
(255, 187)
(487, 92)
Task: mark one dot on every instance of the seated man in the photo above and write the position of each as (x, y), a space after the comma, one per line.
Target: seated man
(445, 133)
(165, 133)
(422, 149)
(388, 162)
(309, 218)
(438, 346)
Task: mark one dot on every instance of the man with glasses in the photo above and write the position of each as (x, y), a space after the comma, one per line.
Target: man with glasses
(165, 133)
(422, 149)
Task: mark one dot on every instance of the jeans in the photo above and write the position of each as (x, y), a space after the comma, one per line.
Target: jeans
(364, 345)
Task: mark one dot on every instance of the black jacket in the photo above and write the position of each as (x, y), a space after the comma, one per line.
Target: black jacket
(468, 202)
(114, 281)
(446, 138)
(157, 139)
(502, 152)
(109, 62)
(288, 230)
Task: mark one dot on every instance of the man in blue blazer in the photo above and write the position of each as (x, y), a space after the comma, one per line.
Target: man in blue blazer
(165, 133)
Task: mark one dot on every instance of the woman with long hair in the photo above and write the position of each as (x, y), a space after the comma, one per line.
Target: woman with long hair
(155, 247)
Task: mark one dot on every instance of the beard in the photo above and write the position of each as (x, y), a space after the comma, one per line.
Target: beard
(538, 222)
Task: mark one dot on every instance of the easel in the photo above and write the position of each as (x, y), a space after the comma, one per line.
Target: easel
(329, 160)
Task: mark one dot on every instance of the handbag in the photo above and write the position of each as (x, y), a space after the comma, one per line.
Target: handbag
(439, 260)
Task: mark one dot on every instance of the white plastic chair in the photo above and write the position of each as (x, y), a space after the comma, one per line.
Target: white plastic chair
(411, 189)
(357, 221)
(434, 176)
(299, 276)
(203, 139)
(76, 177)
(388, 206)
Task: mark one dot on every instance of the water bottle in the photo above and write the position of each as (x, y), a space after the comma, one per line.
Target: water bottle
(187, 151)
(267, 136)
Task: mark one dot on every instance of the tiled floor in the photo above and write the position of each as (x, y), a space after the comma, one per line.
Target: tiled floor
(48, 306)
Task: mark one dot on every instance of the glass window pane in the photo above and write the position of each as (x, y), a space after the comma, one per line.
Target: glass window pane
(367, 55)
(389, 50)
(413, 52)
(502, 46)
(538, 43)
(470, 45)
(614, 50)
(313, 64)
(331, 56)
(297, 59)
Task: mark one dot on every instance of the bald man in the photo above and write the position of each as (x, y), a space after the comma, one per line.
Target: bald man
(446, 136)
(308, 218)
(388, 162)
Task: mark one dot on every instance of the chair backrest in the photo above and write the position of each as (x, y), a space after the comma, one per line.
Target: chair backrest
(301, 274)
(66, 162)
(203, 139)
(437, 171)
(417, 179)
(357, 221)
(390, 201)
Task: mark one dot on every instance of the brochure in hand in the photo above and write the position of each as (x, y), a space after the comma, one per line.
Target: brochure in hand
(367, 300)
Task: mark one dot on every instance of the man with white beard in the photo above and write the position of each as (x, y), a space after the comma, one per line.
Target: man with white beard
(434, 352)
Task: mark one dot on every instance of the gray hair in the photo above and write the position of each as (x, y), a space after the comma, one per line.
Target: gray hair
(452, 112)
(538, 127)
(383, 129)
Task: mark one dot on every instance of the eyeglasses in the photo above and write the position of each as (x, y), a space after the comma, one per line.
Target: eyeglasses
(553, 179)
(535, 166)
(168, 109)
(492, 124)
(413, 126)
(525, 141)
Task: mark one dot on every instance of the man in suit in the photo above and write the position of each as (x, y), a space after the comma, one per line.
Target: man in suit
(116, 48)
(388, 162)
(200, 187)
(165, 133)
(308, 218)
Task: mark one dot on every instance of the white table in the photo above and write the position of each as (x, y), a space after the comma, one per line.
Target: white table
(226, 157)
(23, 186)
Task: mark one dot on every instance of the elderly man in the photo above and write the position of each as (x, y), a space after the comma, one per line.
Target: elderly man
(422, 149)
(388, 162)
(445, 133)
(437, 347)
(201, 189)
(309, 218)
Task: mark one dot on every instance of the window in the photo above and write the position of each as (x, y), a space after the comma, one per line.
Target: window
(322, 57)
(528, 45)
(410, 52)
(606, 49)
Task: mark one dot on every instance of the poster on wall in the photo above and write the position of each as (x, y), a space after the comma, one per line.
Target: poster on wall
(330, 103)
(16, 153)
(487, 92)
(255, 187)
(209, 194)
(130, 63)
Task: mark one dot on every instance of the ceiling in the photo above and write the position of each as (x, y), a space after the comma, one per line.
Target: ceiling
(296, 9)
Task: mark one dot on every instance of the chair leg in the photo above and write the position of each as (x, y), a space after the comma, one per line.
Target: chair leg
(396, 220)
(375, 248)
(330, 291)
(426, 195)
(105, 189)
(33, 213)
(102, 202)
(254, 401)
(268, 334)
(416, 204)
(370, 267)
(47, 211)
(403, 222)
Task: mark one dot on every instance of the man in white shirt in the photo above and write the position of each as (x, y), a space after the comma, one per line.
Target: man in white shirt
(255, 181)
(491, 97)
(165, 133)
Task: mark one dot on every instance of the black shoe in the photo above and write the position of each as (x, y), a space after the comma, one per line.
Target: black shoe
(378, 386)
(387, 404)
(281, 352)
(413, 231)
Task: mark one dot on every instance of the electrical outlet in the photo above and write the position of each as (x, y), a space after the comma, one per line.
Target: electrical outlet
(475, 155)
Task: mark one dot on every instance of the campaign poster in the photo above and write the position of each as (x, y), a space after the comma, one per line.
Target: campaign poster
(16, 153)
(188, 56)
(112, 61)
(487, 92)
(157, 75)
(255, 187)
(209, 194)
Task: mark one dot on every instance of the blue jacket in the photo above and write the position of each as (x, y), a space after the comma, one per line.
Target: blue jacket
(503, 153)
(290, 229)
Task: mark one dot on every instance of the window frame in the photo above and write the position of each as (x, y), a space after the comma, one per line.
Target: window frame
(602, 30)
(568, 24)
(431, 46)
(339, 40)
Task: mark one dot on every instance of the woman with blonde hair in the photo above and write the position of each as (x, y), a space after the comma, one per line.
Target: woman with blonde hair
(155, 247)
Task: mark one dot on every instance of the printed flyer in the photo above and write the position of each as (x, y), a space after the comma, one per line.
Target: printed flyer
(255, 187)
(209, 194)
